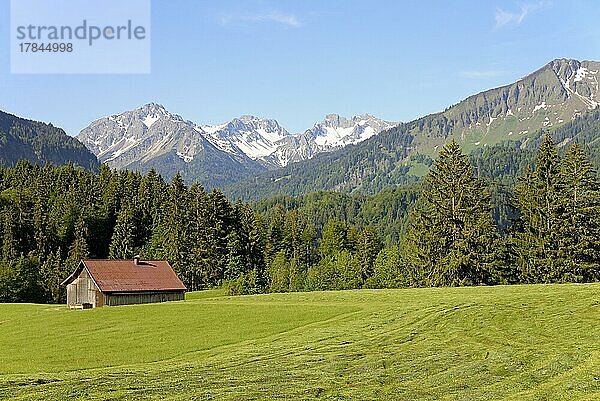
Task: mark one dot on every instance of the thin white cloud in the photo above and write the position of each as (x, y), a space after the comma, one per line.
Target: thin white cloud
(504, 17)
(272, 16)
(477, 74)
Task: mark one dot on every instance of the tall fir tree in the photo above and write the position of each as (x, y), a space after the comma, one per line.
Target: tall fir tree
(9, 256)
(237, 240)
(53, 274)
(9, 242)
(176, 239)
(452, 237)
(580, 232)
(368, 247)
(275, 241)
(254, 248)
(540, 199)
(334, 238)
(222, 221)
(79, 248)
(123, 242)
(200, 239)
(41, 222)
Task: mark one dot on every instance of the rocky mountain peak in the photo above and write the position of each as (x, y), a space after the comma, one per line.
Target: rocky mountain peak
(364, 117)
(154, 108)
(333, 120)
(564, 67)
(246, 122)
(248, 119)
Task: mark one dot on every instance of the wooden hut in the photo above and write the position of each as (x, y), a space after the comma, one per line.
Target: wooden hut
(100, 282)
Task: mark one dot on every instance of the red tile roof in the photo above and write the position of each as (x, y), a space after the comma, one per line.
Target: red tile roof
(126, 275)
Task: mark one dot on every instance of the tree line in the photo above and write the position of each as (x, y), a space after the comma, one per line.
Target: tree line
(52, 217)
(463, 230)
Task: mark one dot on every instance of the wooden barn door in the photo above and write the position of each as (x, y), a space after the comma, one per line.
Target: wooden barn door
(99, 298)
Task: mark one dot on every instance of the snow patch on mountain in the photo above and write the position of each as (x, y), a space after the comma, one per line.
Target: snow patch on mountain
(540, 107)
(184, 157)
(265, 141)
(580, 74)
(334, 132)
(149, 120)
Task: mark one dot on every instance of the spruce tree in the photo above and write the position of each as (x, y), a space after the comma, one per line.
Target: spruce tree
(540, 199)
(41, 224)
(9, 256)
(175, 230)
(79, 248)
(53, 274)
(368, 247)
(122, 245)
(221, 218)
(388, 270)
(237, 240)
(255, 247)
(9, 242)
(292, 234)
(200, 237)
(310, 254)
(275, 241)
(580, 234)
(26, 280)
(451, 236)
(279, 273)
(334, 238)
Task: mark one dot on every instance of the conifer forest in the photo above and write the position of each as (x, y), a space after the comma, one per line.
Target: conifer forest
(455, 227)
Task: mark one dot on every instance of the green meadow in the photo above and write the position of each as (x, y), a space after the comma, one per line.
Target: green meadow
(530, 342)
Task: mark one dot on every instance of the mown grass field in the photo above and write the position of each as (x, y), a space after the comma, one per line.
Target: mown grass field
(537, 342)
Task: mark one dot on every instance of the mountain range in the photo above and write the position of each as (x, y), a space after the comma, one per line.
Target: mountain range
(216, 155)
(253, 157)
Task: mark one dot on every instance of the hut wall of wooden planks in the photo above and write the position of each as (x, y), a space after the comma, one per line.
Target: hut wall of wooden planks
(128, 298)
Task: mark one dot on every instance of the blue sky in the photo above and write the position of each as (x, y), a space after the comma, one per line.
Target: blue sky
(296, 61)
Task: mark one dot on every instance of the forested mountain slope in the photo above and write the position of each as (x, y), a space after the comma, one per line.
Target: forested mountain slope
(562, 92)
(39, 143)
(504, 162)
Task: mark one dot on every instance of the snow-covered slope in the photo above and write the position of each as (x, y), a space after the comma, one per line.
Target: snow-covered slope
(254, 137)
(580, 80)
(334, 132)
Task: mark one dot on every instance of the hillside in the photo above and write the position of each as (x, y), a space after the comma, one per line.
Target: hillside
(505, 161)
(479, 343)
(557, 94)
(39, 143)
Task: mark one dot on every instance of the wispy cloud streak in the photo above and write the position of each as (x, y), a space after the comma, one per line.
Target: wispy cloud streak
(504, 17)
(272, 16)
